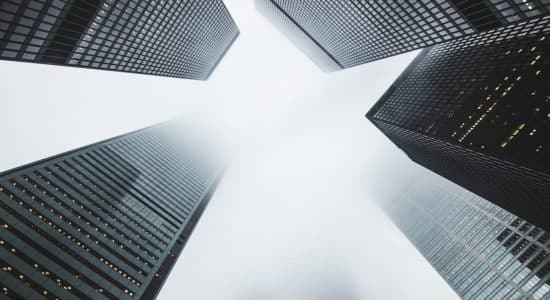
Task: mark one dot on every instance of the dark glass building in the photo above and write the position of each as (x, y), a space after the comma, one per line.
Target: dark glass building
(106, 221)
(350, 33)
(481, 250)
(184, 39)
(477, 111)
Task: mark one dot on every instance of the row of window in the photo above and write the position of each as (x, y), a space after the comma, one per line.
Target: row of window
(356, 32)
(477, 260)
(178, 39)
(98, 223)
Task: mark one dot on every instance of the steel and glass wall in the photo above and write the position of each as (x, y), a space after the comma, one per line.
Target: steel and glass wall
(477, 111)
(359, 31)
(298, 36)
(106, 221)
(481, 250)
(184, 39)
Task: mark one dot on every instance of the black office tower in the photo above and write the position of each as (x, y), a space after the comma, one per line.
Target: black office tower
(477, 111)
(184, 39)
(106, 221)
(350, 33)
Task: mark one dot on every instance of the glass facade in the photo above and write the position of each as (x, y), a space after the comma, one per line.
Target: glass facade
(106, 221)
(477, 111)
(184, 39)
(481, 250)
(298, 36)
(359, 31)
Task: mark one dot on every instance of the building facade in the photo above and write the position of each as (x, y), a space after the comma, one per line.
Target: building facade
(355, 32)
(477, 111)
(481, 250)
(106, 221)
(299, 37)
(183, 39)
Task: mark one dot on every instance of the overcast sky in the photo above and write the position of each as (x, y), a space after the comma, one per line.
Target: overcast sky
(294, 217)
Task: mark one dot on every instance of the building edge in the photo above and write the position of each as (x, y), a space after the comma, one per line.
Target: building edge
(403, 76)
(325, 67)
(74, 150)
(215, 66)
(153, 289)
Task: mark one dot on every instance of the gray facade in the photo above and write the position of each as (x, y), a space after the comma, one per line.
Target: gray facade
(355, 32)
(106, 221)
(299, 37)
(183, 39)
(481, 250)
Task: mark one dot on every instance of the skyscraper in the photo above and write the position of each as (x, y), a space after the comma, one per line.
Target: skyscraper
(184, 39)
(481, 250)
(477, 111)
(350, 33)
(106, 221)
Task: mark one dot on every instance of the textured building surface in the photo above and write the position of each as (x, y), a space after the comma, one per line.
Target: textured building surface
(481, 250)
(184, 39)
(477, 111)
(299, 37)
(359, 31)
(106, 221)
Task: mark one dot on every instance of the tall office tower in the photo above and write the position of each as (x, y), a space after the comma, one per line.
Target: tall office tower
(354, 32)
(477, 111)
(106, 221)
(481, 250)
(184, 39)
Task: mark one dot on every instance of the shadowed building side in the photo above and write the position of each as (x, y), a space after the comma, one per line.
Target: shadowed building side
(73, 22)
(477, 111)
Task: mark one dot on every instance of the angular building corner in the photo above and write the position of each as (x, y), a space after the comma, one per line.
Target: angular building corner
(182, 39)
(106, 221)
(344, 34)
(298, 36)
(476, 110)
(481, 250)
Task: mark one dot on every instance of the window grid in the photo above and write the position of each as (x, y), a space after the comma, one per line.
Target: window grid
(102, 222)
(183, 39)
(359, 31)
(518, 264)
(476, 111)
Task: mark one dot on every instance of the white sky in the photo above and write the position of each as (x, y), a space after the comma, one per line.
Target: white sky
(294, 216)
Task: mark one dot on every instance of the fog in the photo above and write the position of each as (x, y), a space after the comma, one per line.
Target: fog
(295, 215)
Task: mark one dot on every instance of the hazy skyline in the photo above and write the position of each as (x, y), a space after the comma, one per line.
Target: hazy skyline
(294, 217)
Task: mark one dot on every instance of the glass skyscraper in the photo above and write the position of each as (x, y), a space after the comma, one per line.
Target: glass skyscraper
(476, 110)
(350, 33)
(184, 39)
(106, 221)
(480, 249)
